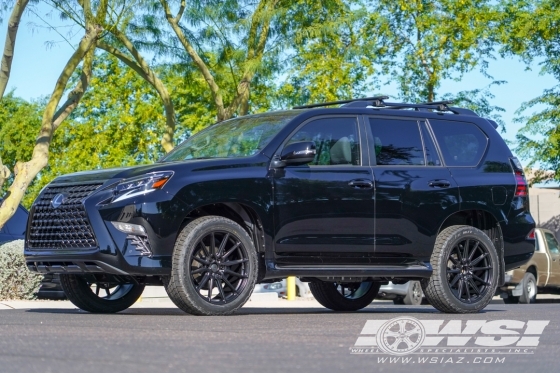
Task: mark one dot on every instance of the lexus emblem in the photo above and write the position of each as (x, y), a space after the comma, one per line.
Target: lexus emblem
(58, 200)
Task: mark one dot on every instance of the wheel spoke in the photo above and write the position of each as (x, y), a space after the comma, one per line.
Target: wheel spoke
(481, 268)
(212, 244)
(474, 287)
(97, 288)
(459, 253)
(474, 250)
(477, 260)
(453, 271)
(221, 290)
(210, 287)
(203, 281)
(234, 262)
(203, 247)
(466, 249)
(199, 270)
(230, 272)
(467, 290)
(201, 261)
(453, 260)
(234, 247)
(480, 280)
(402, 326)
(460, 288)
(223, 244)
(229, 285)
(454, 281)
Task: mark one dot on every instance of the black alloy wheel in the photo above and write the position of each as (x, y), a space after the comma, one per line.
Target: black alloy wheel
(344, 296)
(464, 271)
(219, 267)
(214, 267)
(469, 270)
(97, 296)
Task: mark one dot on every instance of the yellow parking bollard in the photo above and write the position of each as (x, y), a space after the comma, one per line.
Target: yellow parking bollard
(291, 288)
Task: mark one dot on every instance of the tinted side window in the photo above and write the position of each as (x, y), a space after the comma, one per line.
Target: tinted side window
(552, 243)
(397, 142)
(336, 140)
(461, 143)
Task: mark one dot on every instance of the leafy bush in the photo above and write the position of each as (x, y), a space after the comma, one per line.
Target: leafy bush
(16, 281)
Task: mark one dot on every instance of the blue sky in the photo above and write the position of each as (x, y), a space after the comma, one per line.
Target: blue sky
(38, 62)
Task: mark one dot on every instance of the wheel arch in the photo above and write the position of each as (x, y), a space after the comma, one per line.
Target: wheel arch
(486, 222)
(242, 214)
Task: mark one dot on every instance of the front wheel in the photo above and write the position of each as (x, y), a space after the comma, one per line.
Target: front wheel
(465, 271)
(214, 267)
(96, 296)
(344, 296)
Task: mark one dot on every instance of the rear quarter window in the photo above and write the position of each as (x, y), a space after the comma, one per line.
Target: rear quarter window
(462, 144)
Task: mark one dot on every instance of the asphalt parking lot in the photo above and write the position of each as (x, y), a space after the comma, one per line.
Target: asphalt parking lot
(263, 336)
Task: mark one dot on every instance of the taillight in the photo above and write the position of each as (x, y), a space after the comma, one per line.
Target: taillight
(531, 235)
(521, 189)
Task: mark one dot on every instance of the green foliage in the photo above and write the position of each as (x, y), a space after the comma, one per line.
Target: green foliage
(530, 30)
(19, 125)
(423, 42)
(16, 281)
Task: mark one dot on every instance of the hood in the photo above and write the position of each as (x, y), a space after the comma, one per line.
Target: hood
(110, 173)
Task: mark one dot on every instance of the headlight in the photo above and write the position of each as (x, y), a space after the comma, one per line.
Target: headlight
(141, 185)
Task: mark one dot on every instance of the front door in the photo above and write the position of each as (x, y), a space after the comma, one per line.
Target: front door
(325, 210)
(414, 192)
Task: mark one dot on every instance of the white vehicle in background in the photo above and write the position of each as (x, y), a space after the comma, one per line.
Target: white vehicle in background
(409, 293)
(302, 288)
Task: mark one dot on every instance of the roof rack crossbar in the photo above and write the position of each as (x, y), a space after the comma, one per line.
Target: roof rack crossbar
(366, 99)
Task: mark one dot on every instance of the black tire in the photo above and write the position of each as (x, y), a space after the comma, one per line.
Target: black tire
(511, 299)
(414, 295)
(118, 297)
(344, 297)
(529, 287)
(464, 260)
(399, 301)
(212, 253)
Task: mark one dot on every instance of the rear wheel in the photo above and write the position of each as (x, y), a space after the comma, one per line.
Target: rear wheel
(529, 288)
(414, 295)
(344, 296)
(97, 296)
(465, 271)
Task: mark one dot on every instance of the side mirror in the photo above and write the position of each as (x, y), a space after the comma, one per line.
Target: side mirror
(298, 153)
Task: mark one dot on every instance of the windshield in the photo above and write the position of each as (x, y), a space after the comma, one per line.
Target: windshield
(239, 137)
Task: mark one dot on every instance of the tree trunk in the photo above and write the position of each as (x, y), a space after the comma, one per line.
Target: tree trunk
(4, 173)
(10, 44)
(25, 172)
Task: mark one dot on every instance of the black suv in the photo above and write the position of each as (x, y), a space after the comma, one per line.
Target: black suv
(346, 198)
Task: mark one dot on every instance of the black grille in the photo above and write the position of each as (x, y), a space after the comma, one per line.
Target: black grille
(65, 226)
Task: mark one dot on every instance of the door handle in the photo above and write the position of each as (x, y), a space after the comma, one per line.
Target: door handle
(361, 184)
(439, 183)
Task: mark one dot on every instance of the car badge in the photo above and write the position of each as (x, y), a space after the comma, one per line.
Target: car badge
(58, 200)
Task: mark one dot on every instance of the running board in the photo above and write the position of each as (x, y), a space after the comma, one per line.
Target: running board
(406, 271)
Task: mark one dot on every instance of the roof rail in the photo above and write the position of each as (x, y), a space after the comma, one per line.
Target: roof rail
(379, 102)
(367, 100)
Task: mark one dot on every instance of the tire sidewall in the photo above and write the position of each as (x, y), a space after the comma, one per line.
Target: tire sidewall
(526, 297)
(181, 271)
(441, 268)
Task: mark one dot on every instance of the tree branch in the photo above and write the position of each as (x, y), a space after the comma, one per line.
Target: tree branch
(9, 46)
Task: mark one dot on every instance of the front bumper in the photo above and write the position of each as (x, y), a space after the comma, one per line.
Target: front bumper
(111, 251)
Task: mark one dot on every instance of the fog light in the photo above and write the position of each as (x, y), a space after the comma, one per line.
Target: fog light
(130, 228)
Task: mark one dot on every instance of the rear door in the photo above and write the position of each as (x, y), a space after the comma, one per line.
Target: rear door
(414, 192)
